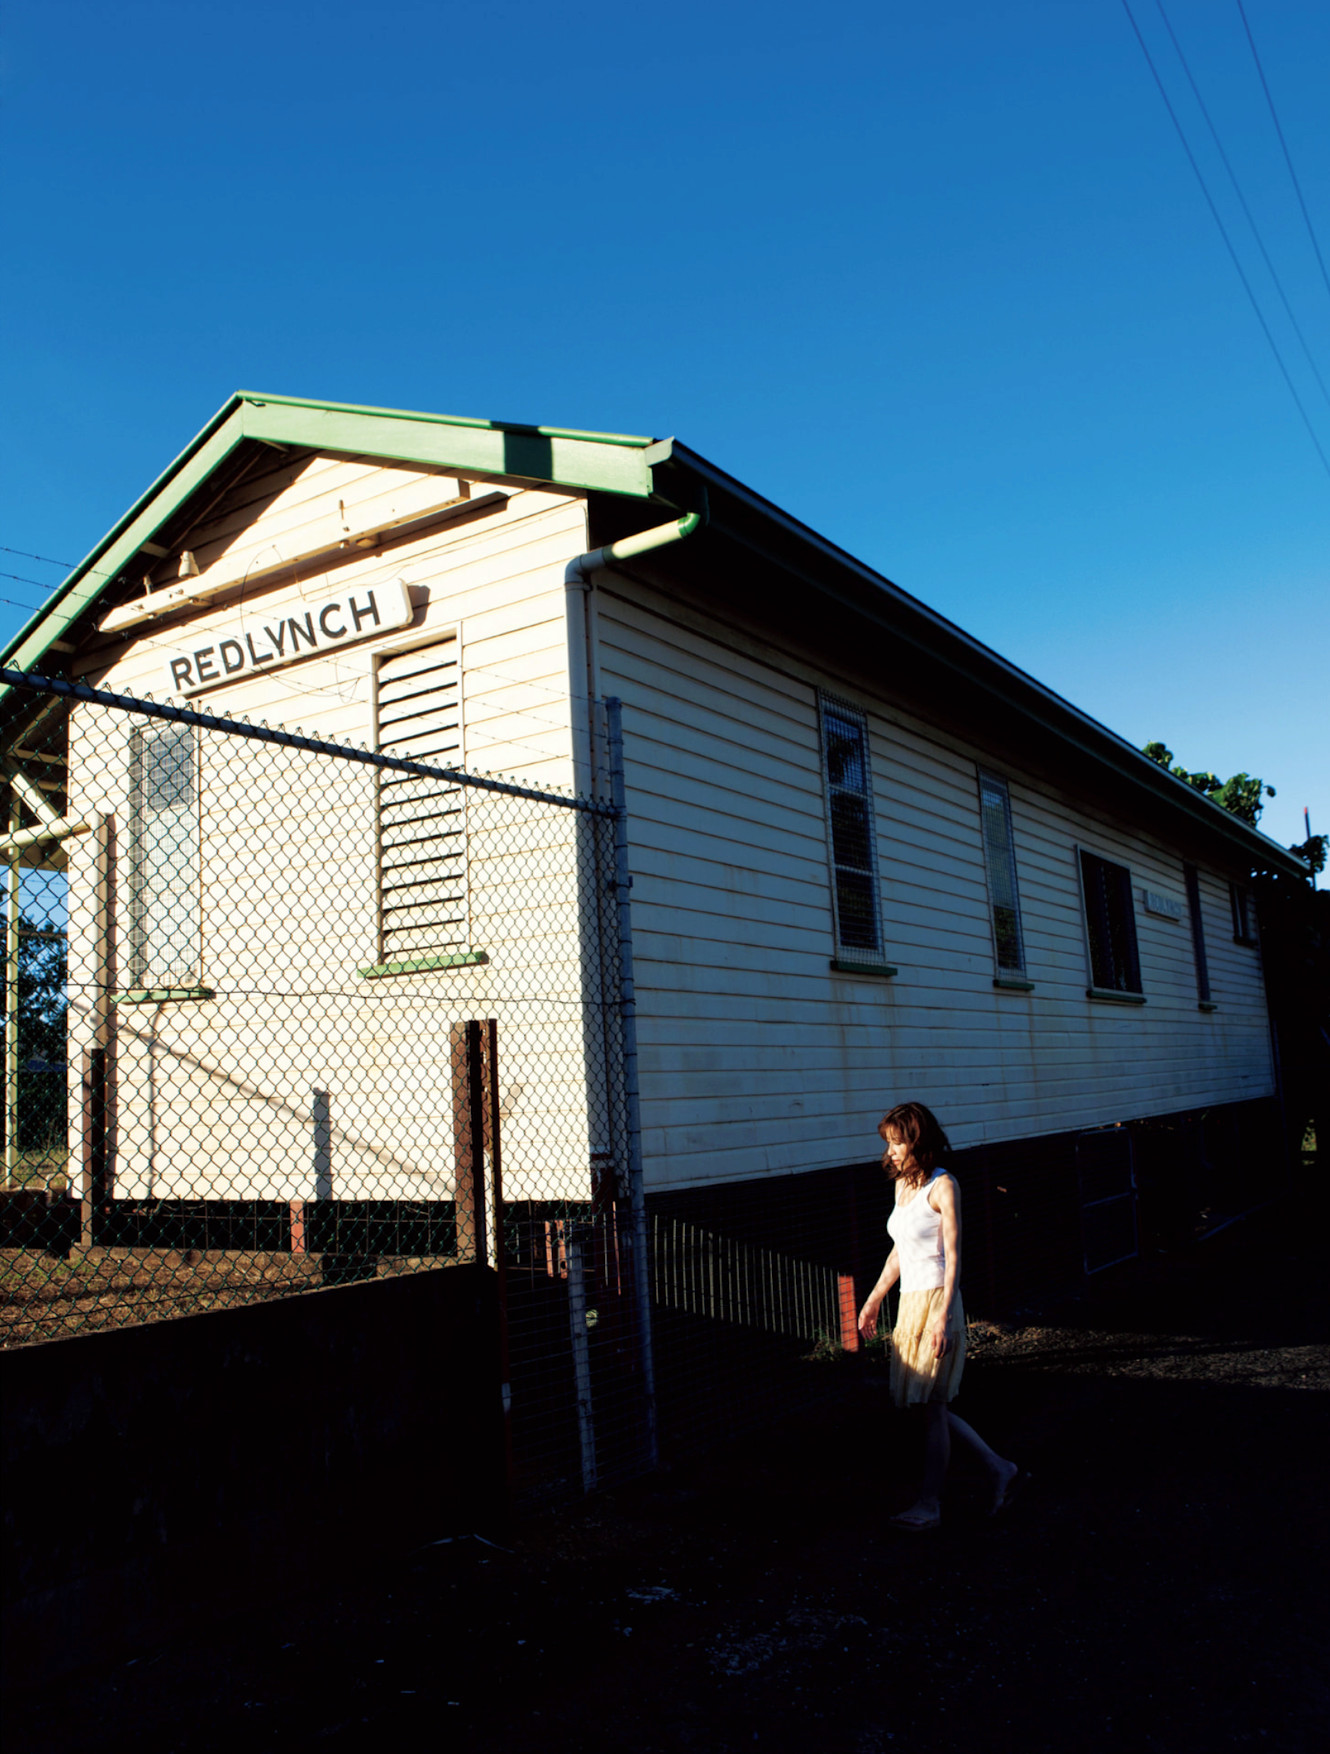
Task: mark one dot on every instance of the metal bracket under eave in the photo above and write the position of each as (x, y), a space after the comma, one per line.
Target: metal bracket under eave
(197, 592)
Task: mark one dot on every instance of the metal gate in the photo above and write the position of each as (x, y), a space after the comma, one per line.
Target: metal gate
(282, 1014)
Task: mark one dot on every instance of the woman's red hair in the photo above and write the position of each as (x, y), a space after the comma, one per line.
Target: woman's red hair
(919, 1128)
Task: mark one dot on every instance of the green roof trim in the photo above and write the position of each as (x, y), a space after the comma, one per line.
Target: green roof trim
(613, 463)
(114, 552)
(635, 468)
(260, 397)
(561, 456)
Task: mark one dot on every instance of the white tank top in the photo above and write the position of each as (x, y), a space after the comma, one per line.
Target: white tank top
(916, 1230)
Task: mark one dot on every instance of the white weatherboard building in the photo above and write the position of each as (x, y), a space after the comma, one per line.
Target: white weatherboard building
(871, 859)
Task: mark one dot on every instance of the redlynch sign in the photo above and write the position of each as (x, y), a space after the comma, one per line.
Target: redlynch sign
(267, 641)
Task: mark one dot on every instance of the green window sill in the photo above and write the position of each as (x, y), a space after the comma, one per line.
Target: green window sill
(1206, 1005)
(1013, 983)
(376, 971)
(882, 970)
(160, 995)
(1114, 997)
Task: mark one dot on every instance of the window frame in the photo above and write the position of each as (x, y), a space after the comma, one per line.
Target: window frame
(848, 957)
(1127, 995)
(418, 640)
(1242, 905)
(1191, 881)
(1016, 974)
(139, 878)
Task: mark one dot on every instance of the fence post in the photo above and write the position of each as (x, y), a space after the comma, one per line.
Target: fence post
(581, 1346)
(498, 1239)
(468, 1081)
(95, 919)
(632, 1104)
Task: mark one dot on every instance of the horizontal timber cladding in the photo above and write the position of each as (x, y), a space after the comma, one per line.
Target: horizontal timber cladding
(760, 1058)
(324, 908)
(496, 579)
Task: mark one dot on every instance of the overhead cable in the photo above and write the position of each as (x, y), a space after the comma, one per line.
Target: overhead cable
(1237, 190)
(1288, 156)
(1228, 242)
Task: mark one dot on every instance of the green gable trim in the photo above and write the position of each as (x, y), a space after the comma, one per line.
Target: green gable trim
(106, 562)
(559, 456)
(634, 440)
(613, 464)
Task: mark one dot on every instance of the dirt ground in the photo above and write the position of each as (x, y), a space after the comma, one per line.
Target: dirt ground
(1159, 1586)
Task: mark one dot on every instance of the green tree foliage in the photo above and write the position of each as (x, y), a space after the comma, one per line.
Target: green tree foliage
(1241, 795)
(1295, 953)
(42, 1007)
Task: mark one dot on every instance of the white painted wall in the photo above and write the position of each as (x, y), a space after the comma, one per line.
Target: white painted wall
(757, 1058)
(219, 1098)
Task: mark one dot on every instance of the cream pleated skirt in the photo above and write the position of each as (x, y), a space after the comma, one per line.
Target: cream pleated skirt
(916, 1374)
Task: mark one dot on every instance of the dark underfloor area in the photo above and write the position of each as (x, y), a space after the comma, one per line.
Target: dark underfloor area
(1159, 1585)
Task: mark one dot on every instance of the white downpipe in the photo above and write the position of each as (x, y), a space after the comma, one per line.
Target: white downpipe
(583, 691)
(580, 615)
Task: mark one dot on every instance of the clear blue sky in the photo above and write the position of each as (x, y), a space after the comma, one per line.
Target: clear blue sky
(937, 278)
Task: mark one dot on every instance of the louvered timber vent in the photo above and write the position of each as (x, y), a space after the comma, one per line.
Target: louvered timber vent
(422, 822)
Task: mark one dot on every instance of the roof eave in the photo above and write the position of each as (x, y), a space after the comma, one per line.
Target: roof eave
(908, 617)
(581, 462)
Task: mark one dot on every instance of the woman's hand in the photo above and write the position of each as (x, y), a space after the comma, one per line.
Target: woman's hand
(940, 1341)
(868, 1316)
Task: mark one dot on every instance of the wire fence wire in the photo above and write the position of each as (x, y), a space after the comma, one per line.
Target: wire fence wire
(282, 1014)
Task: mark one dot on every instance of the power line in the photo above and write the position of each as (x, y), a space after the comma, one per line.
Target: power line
(1288, 156)
(1228, 242)
(44, 558)
(1237, 190)
(19, 579)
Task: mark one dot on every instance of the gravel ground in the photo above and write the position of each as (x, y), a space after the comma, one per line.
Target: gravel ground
(1158, 1586)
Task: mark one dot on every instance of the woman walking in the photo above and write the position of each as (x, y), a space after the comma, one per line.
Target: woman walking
(928, 1343)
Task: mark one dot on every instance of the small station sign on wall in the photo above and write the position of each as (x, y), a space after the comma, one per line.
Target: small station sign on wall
(1166, 907)
(266, 640)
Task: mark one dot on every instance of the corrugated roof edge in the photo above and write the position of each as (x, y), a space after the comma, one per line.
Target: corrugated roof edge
(1051, 708)
(562, 455)
(524, 447)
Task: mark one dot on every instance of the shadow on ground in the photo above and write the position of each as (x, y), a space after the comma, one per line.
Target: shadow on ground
(1157, 1587)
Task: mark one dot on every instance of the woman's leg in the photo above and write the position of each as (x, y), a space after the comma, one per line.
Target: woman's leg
(1001, 1471)
(927, 1508)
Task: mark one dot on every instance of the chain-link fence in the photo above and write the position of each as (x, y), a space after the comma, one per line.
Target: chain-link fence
(282, 1014)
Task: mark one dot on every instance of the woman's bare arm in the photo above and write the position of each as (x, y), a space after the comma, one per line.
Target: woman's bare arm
(868, 1315)
(945, 1199)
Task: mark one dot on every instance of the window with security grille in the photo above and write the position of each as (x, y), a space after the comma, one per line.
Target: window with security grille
(1191, 878)
(1245, 929)
(850, 819)
(422, 822)
(1000, 861)
(1110, 924)
(163, 866)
